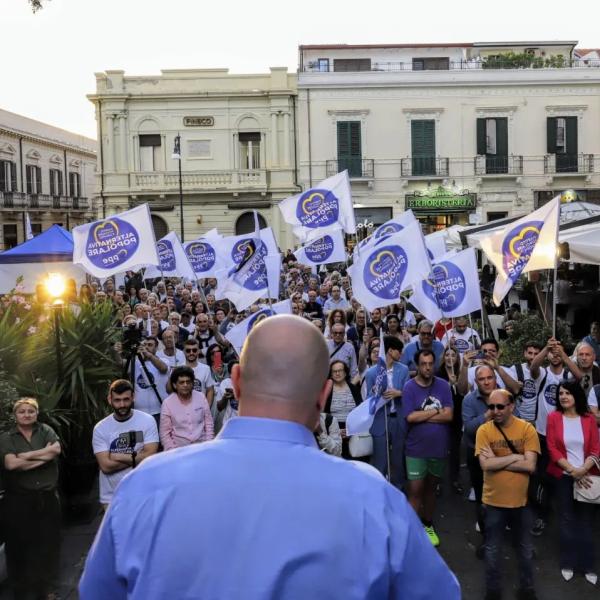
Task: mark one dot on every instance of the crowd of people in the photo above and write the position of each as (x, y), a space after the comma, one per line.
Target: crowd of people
(527, 432)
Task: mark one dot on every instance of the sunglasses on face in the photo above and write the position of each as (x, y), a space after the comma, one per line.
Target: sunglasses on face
(497, 406)
(191, 351)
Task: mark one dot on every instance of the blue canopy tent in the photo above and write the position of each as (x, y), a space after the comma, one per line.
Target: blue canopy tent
(50, 251)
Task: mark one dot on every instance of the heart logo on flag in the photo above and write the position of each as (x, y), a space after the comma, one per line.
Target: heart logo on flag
(320, 250)
(166, 255)
(111, 242)
(518, 246)
(387, 230)
(384, 272)
(202, 256)
(259, 316)
(450, 286)
(317, 208)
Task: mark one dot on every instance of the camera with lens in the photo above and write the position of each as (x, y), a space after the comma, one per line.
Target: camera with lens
(132, 338)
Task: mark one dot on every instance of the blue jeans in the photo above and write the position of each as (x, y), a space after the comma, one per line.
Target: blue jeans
(496, 520)
(575, 526)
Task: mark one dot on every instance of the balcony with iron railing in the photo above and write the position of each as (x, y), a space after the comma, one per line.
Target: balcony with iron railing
(156, 181)
(424, 166)
(358, 168)
(498, 165)
(491, 63)
(42, 202)
(564, 164)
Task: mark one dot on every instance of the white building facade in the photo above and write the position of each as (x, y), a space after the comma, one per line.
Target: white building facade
(237, 147)
(459, 133)
(46, 172)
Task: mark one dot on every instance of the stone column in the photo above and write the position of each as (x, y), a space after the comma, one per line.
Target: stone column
(123, 128)
(274, 145)
(286, 140)
(111, 162)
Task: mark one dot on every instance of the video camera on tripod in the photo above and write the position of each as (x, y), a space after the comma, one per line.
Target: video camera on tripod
(131, 340)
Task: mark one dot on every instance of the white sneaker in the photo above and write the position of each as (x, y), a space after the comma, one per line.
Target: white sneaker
(591, 578)
(472, 497)
(567, 574)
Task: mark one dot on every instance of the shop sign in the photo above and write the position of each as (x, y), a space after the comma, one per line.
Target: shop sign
(199, 121)
(441, 200)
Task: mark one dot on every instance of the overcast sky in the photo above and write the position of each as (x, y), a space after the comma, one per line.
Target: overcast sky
(49, 59)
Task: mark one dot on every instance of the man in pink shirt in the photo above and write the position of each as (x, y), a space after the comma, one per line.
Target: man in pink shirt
(185, 414)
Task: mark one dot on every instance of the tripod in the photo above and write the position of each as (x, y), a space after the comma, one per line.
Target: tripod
(129, 369)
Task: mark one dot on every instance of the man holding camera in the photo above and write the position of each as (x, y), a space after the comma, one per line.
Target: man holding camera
(122, 440)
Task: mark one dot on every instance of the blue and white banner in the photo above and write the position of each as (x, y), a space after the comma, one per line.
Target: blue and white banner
(328, 249)
(436, 244)
(118, 243)
(204, 255)
(321, 209)
(394, 225)
(528, 244)
(173, 260)
(388, 267)
(452, 290)
(238, 334)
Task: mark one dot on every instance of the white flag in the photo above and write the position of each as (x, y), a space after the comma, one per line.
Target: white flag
(238, 334)
(528, 244)
(28, 231)
(328, 249)
(392, 226)
(321, 209)
(436, 244)
(118, 243)
(173, 259)
(423, 298)
(388, 267)
(205, 255)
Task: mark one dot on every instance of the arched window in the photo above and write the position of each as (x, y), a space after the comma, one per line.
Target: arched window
(245, 223)
(160, 227)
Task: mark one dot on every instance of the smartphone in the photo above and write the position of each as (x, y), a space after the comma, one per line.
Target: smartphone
(479, 356)
(217, 361)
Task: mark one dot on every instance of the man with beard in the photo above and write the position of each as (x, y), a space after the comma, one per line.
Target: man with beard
(122, 440)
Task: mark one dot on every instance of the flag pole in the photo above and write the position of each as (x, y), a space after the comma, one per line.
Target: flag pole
(555, 272)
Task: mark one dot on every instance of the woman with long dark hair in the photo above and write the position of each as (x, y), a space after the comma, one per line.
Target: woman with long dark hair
(573, 441)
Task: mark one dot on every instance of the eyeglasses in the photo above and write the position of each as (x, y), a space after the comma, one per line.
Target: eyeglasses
(425, 333)
(191, 350)
(497, 406)
(337, 333)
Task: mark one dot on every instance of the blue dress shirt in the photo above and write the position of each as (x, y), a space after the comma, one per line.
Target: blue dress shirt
(261, 513)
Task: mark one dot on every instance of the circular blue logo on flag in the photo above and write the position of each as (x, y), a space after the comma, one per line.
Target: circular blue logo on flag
(461, 345)
(320, 250)
(317, 208)
(202, 256)
(166, 255)
(111, 242)
(253, 276)
(388, 229)
(257, 317)
(518, 246)
(450, 286)
(384, 272)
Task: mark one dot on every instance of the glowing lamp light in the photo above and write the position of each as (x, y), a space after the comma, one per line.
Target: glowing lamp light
(56, 285)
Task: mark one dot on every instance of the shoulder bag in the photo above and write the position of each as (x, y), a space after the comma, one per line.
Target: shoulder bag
(590, 495)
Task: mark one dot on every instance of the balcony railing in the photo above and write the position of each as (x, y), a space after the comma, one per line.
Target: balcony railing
(568, 163)
(461, 65)
(42, 202)
(498, 165)
(424, 166)
(205, 180)
(358, 168)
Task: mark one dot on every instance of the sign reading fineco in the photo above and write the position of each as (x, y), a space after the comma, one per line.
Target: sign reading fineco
(199, 121)
(440, 200)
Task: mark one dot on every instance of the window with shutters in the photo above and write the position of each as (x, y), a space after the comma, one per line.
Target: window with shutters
(8, 176)
(323, 65)
(34, 179)
(150, 152)
(492, 142)
(9, 232)
(56, 182)
(249, 142)
(74, 185)
(422, 133)
(349, 150)
(431, 64)
(352, 64)
(562, 141)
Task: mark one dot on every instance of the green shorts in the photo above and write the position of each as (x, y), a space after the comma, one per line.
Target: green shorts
(419, 468)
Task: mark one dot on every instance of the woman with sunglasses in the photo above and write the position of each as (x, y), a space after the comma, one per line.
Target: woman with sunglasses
(573, 442)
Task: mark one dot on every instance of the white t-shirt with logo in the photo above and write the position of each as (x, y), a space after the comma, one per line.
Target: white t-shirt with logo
(177, 360)
(463, 342)
(121, 437)
(529, 393)
(145, 398)
(203, 379)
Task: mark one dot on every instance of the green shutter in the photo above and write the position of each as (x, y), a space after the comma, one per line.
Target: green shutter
(38, 177)
(571, 135)
(349, 147)
(423, 147)
(2, 176)
(502, 137)
(481, 137)
(551, 135)
(29, 173)
(13, 176)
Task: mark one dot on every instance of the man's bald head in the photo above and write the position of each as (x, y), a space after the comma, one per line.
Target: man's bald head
(283, 371)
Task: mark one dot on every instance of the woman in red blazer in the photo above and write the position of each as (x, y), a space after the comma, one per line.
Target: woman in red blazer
(572, 438)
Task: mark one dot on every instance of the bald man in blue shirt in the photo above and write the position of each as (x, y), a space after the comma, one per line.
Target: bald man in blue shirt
(261, 513)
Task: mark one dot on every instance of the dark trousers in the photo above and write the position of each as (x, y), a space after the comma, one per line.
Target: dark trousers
(541, 485)
(32, 528)
(496, 520)
(476, 476)
(396, 436)
(455, 448)
(575, 527)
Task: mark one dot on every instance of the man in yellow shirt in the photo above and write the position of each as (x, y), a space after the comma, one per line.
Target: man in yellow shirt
(507, 448)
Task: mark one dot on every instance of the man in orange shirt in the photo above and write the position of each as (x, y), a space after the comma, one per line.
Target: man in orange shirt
(507, 448)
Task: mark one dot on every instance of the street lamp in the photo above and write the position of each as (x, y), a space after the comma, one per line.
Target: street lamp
(56, 287)
(177, 156)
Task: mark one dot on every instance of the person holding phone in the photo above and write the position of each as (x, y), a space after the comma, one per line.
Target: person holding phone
(226, 402)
